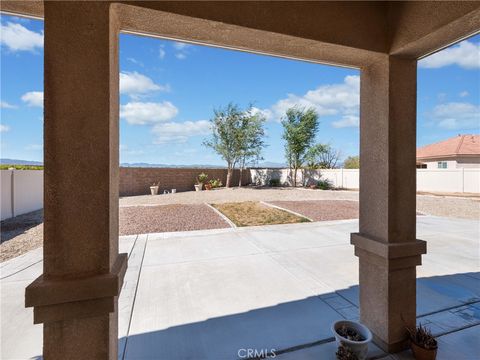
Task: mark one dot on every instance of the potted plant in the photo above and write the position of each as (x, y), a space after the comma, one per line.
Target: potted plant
(423, 344)
(345, 353)
(154, 188)
(208, 185)
(353, 335)
(200, 181)
(213, 183)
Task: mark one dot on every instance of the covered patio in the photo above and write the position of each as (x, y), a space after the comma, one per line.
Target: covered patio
(76, 295)
(215, 294)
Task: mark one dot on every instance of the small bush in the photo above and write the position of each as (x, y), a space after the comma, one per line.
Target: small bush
(324, 184)
(202, 178)
(215, 183)
(274, 182)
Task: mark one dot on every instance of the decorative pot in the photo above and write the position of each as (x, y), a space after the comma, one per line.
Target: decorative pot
(154, 190)
(208, 186)
(174, 191)
(198, 187)
(360, 348)
(421, 353)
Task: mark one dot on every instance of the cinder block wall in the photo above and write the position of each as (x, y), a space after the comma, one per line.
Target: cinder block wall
(137, 181)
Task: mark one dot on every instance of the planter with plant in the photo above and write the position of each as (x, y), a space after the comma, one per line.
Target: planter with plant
(201, 179)
(154, 188)
(354, 336)
(215, 183)
(345, 353)
(274, 183)
(423, 344)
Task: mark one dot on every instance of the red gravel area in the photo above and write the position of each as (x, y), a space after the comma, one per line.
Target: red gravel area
(322, 210)
(152, 219)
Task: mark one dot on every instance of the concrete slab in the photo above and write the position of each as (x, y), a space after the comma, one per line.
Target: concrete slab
(210, 310)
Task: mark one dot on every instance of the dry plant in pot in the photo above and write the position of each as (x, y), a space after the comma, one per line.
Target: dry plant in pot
(354, 336)
(423, 343)
(345, 353)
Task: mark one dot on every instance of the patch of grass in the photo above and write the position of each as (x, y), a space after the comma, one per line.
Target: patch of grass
(21, 167)
(253, 213)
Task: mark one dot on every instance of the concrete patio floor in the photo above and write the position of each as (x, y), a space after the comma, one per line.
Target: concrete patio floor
(208, 294)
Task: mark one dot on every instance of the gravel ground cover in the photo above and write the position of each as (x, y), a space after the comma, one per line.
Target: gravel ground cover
(21, 234)
(253, 213)
(163, 218)
(322, 210)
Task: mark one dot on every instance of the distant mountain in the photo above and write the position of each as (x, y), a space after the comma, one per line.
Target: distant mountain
(148, 165)
(269, 164)
(19, 162)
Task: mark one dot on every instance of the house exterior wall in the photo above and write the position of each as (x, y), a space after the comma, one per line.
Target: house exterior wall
(458, 162)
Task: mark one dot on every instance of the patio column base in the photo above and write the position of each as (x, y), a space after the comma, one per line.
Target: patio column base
(68, 299)
(388, 288)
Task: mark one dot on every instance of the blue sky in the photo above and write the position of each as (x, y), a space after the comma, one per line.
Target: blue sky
(169, 91)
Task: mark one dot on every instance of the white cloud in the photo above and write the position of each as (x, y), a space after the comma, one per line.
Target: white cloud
(133, 83)
(347, 121)
(334, 99)
(4, 128)
(135, 61)
(466, 55)
(16, 37)
(457, 115)
(181, 50)
(463, 94)
(143, 113)
(180, 132)
(161, 52)
(266, 113)
(33, 98)
(6, 105)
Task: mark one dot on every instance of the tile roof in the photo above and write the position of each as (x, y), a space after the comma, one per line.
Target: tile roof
(458, 145)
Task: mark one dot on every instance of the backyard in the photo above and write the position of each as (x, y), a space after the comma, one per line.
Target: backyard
(246, 206)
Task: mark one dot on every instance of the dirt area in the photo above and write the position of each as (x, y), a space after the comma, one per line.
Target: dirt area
(253, 213)
(187, 211)
(322, 210)
(21, 234)
(152, 219)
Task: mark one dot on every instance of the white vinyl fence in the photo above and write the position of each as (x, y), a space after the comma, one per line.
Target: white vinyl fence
(22, 192)
(428, 180)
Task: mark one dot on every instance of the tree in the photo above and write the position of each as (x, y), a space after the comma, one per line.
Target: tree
(322, 156)
(352, 162)
(252, 134)
(237, 136)
(299, 129)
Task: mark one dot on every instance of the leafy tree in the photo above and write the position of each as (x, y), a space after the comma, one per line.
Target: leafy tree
(300, 126)
(237, 136)
(322, 156)
(352, 162)
(251, 139)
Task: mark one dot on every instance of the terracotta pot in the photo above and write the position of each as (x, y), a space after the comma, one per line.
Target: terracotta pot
(208, 186)
(423, 354)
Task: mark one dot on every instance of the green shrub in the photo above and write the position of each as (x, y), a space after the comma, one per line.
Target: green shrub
(324, 184)
(274, 182)
(215, 183)
(202, 178)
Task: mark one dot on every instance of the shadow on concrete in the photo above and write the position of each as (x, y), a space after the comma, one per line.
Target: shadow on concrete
(447, 303)
(20, 224)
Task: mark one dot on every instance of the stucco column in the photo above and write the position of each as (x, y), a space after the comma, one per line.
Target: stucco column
(386, 244)
(76, 297)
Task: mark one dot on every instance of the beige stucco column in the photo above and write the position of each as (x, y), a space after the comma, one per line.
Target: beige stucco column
(76, 297)
(386, 243)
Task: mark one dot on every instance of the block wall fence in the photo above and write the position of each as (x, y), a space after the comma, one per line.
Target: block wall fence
(22, 190)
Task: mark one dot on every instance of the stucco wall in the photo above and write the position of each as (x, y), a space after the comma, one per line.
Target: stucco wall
(22, 192)
(137, 181)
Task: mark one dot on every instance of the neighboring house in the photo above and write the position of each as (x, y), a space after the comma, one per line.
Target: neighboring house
(462, 151)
